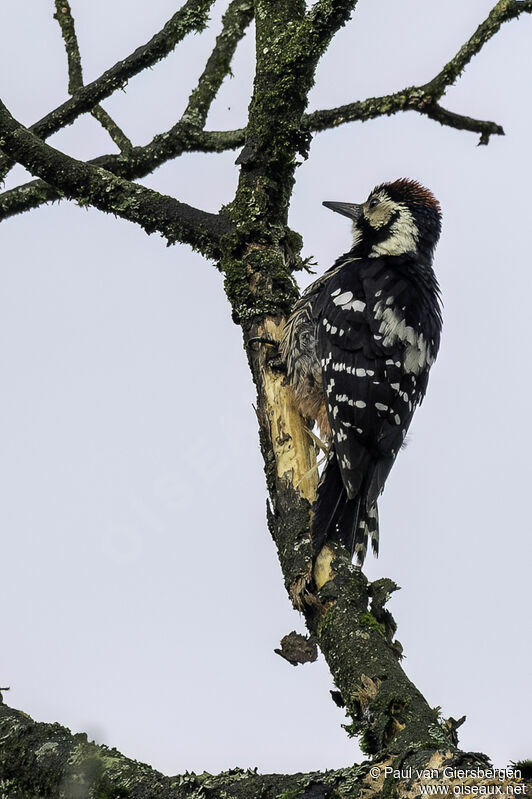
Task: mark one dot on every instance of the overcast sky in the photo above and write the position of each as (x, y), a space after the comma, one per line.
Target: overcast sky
(142, 598)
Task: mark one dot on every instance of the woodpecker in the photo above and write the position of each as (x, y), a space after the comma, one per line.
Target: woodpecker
(358, 348)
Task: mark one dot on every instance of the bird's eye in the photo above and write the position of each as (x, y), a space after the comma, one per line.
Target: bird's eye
(373, 202)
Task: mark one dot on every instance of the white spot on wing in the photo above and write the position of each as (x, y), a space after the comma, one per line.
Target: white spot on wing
(417, 354)
(342, 299)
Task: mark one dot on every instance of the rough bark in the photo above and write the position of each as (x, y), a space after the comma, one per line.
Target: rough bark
(46, 760)
(257, 253)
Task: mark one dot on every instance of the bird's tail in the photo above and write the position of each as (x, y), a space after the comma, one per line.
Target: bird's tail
(339, 518)
(367, 530)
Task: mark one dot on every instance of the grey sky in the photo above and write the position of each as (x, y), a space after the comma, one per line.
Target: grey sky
(141, 592)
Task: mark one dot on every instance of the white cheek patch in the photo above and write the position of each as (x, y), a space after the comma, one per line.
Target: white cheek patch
(380, 216)
(417, 353)
(403, 236)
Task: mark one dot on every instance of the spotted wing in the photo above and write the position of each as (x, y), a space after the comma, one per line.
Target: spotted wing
(370, 398)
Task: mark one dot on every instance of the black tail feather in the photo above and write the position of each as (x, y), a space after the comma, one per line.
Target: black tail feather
(367, 529)
(329, 503)
(338, 518)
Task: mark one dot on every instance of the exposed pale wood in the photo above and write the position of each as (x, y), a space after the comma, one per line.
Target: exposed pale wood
(323, 571)
(295, 454)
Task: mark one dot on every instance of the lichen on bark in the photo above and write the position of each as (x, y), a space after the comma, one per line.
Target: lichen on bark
(252, 245)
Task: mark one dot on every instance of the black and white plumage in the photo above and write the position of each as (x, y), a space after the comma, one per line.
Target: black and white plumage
(358, 348)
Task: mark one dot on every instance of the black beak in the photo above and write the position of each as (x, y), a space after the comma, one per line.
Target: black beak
(352, 210)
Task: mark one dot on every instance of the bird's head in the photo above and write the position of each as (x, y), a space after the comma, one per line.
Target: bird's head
(397, 218)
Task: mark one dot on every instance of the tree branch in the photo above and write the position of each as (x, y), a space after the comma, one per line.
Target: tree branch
(93, 185)
(424, 99)
(413, 98)
(325, 18)
(139, 163)
(123, 142)
(47, 760)
(385, 707)
(343, 611)
(503, 11)
(461, 122)
(234, 23)
(63, 14)
(191, 16)
(186, 135)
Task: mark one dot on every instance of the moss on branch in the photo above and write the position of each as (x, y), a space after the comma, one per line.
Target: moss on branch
(45, 760)
(257, 253)
(92, 185)
(237, 17)
(192, 16)
(141, 161)
(63, 14)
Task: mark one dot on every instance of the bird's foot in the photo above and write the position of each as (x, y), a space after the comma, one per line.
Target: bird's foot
(273, 358)
(263, 340)
(320, 445)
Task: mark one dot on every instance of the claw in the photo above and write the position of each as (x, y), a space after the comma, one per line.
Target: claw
(311, 471)
(263, 340)
(318, 442)
(274, 360)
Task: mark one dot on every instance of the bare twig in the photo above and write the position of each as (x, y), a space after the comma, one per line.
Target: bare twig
(95, 186)
(503, 11)
(116, 133)
(413, 98)
(63, 14)
(461, 122)
(235, 21)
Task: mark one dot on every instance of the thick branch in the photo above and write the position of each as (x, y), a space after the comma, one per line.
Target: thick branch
(95, 186)
(384, 705)
(386, 708)
(38, 760)
(139, 163)
(63, 15)
(192, 16)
